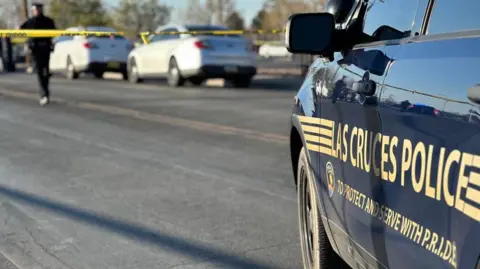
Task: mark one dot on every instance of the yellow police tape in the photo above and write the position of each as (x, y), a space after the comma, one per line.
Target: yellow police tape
(51, 33)
(21, 34)
(213, 32)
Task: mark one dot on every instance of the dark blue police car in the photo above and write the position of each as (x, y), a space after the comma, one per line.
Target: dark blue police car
(385, 135)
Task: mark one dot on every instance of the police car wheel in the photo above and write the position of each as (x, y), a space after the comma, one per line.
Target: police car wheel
(175, 78)
(317, 253)
(132, 72)
(71, 73)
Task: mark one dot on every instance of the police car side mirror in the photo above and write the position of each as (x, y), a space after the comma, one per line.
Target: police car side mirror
(310, 33)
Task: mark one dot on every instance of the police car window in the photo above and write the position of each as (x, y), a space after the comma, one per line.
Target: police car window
(116, 37)
(157, 38)
(454, 16)
(171, 36)
(163, 37)
(206, 29)
(396, 14)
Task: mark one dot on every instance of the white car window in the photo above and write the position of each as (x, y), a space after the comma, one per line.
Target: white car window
(163, 37)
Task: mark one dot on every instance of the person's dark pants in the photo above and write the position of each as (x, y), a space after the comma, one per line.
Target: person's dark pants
(42, 61)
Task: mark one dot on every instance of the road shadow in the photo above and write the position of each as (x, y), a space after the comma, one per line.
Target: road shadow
(260, 84)
(285, 83)
(133, 231)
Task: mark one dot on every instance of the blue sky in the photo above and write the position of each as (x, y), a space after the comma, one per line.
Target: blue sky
(248, 8)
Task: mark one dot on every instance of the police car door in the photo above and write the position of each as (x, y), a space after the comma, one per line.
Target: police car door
(431, 103)
(355, 156)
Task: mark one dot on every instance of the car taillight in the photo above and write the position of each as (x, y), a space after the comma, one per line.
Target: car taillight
(89, 45)
(202, 45)
(436, 112)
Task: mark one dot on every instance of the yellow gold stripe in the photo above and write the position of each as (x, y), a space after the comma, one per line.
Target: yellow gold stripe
(326, 123)
(313, 147)
(318, 148)
(472, 212)
(473, 195)
(475, 179)
(317, 139)
(326, 132)
(311, 129)
(320, 121)
(311, 138)
(317, 130)
(325, 150)
(326, 141)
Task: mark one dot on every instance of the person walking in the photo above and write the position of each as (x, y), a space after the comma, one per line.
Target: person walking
(41, 47)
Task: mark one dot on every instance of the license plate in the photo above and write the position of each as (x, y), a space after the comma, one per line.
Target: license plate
(113, 65)
(231, 69)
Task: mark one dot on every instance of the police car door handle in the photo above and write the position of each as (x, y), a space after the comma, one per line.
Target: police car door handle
(474, 94)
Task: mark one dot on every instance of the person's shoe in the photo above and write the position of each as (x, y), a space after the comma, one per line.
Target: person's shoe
(29, 70)
(43, 101)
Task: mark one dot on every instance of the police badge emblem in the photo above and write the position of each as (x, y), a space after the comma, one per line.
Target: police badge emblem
(330, 179)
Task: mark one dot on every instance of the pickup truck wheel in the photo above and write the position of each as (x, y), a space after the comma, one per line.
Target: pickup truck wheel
(317, 253)
(175, 78)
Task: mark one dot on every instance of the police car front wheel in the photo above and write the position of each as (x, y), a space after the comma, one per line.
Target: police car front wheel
(317, 253)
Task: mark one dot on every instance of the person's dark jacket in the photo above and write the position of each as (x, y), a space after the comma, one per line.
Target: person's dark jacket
(40, 22)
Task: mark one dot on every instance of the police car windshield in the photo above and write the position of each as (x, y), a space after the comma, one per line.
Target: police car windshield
(209, 28)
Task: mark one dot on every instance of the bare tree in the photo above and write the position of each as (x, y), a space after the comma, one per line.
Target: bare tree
(278, 11)
(134, 16)
(24, 10)
(68, 13)
(223, 10)
(196, 12)
(209, 12)
(10, 15)
(235, 21)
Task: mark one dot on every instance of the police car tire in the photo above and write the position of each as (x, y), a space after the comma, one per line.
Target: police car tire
(132, 72)
(174, 79)
(323, 255)
(71, 73)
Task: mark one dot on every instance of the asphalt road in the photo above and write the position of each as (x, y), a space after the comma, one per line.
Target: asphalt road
(114, 175)
(279, 62)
